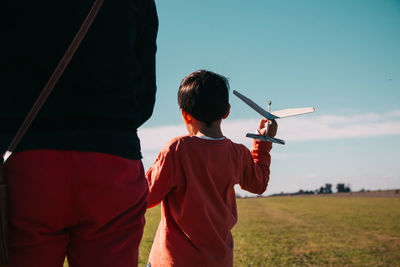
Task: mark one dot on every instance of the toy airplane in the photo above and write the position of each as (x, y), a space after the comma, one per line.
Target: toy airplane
(271, 116)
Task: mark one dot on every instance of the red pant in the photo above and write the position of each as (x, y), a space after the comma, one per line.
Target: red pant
(88, 206)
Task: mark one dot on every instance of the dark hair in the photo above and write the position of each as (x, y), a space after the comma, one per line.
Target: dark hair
(204, 95)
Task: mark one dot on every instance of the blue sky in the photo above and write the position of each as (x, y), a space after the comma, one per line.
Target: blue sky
(343, 57)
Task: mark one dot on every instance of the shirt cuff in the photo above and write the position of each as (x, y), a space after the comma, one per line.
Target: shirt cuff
(262, 145)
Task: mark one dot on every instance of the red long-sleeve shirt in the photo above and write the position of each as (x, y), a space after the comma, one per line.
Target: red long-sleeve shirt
(194, 179)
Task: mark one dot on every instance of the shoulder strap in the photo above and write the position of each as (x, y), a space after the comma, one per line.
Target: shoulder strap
(54, 78)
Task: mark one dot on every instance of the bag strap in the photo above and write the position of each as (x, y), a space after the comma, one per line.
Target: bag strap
(54, 78)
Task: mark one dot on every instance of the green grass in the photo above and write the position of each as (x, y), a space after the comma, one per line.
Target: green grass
(309, 231)
(152, 220)
(318, 231)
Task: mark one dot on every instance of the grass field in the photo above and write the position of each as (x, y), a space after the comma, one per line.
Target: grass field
(304, 231)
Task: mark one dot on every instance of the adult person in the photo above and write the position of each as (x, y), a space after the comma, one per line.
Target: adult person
(76, 181)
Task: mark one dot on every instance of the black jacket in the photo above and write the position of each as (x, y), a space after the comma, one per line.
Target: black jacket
(106, 92)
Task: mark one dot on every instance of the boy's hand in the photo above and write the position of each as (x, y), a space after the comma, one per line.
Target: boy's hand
(273, 127)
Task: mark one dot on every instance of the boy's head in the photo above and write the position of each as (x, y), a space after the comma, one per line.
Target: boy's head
(204, 95)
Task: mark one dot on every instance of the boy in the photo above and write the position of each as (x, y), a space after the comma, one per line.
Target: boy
(194, 177)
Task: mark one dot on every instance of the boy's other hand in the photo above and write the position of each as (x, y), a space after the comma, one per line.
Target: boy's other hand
(273, 127)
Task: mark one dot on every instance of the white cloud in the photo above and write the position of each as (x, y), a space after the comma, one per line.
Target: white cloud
(298, 129)
(154, 138)
(312, 127)
(393, 113)
(340, 126)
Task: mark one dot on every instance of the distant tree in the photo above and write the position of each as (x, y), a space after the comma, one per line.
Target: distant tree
(305, 192)
(347, 188)
(328, 188)
(341, 188)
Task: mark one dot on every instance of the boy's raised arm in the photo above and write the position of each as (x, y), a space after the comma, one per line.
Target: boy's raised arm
(256, 173)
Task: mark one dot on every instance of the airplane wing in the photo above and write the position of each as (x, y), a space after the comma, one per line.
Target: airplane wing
(266, 138)
(254, 106)
(292, 112)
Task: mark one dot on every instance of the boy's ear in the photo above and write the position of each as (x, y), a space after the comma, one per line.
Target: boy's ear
(186, 117)
(227, 112)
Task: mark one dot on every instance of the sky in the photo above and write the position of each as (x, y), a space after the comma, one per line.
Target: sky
(341, 57)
